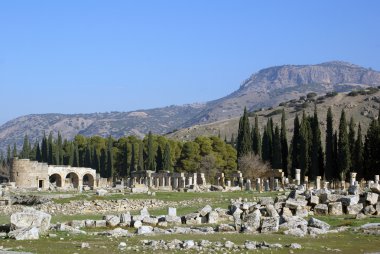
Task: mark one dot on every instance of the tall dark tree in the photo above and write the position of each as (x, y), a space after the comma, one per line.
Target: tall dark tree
(38, 152)
(125, 164)
(329, 168)
(103, 163)
(351, 142)
(335, 156)
(75, 162)
(167, 161)
(277, 156)
(284, 145)
(140, 163)
(50, 149)
(88, 157)
(358, 159)
(256, 137)
(14, 151)
(110, 169)
(295, 146)
(243, 144)
(133, 160)
(59, 150)
(316, 146)
(44, 149)
(232, 141)
(25, 148)
(150, 151)
(95, 160)
(372, 150)
(9, 154)
(159, 159)
(266, 146)
(343, 148)
(305, 144)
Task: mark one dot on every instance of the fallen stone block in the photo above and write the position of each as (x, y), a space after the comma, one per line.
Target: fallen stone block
(100, 223)
(251, 222)
(369, 210)
(270, 224)
(213, 217)
(226, 228)
(313, 222)
(321, 209)
(112, 220)
(314, 200)
(150, 221)
(78, 223)
(30, 218)
(298, 232)
(354, 209)
(205, 210)
(30, 233)
(335, 208)
(294, 204)
(349, 200)
(372, 198)
(145, 230)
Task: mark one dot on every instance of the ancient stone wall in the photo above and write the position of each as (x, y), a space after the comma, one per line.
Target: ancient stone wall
(29, 174)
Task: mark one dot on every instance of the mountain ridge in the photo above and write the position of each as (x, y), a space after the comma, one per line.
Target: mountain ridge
(265, 88)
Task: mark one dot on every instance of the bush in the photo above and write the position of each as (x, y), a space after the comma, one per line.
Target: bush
(311, 95)
(331, 94)
(252, 166)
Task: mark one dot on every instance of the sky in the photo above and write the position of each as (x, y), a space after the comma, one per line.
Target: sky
(99, 56)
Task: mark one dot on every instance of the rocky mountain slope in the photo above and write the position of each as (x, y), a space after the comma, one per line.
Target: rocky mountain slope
(363, 108)
(266, 88)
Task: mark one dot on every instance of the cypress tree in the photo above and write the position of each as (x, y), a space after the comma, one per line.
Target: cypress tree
(95, 160)
(372, 150)
(315, 147)
(243, 144)
(9, 154)
(256, 137)
(335, 156)
(159, 159)
(284, 144)
(125, 167)
(232, 142)
(50, 149)
(351, 142)
(343, 148)
(14, 152)
(25, 148)
(167, 161)
(38, 152)
(140, 166)
(358, 159)
(150, 160)
(295, 146)
(59, 151)
(277, 156)
(133, 160)
(44, 149)
(87, 157)
(103, 163)
(305, 143)
(75, 162)
(266, 149)
(329, 168)
(110, 171)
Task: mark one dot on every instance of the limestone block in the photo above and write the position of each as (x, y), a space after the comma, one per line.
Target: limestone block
(369, 210)
(30, 233)
(144, 212)
(294, 204)
(101, 192)
(150, 221)
(335, 208)
(251, 222)
(172, 211)
(213, 217)
(354, 209)
(272, 212)
(125, 218)
(349, 200)
(287, 212)
(321, 209)
(315, 223)
(298, 232)
(294, 222)
(100, 223)
(226, 228)
(314, 200)
(112, 220)
(176, 220)
(302, 212)
(270, 224)
(266, 201)
(205, 210)
(78, 223)
(375, 188)
(89, 223)
(137, 224)
(30, 218)
(145, 230)
(372, 198)
(316, 231)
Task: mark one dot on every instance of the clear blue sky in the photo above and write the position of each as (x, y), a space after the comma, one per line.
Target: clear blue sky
(97, 56)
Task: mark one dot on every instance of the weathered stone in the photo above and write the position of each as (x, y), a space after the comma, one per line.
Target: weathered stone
(313, 222)
(78, 223)
(266, 201)
(112, 220)
(371, 198)
(125, 218)
(226, 228)
(360, 216)
(377, 207)
(101, 192)
(249, 245)
(328, 197)
(295, 222)
(117, 232)
(29, 233)
(294, 204)
(270, 224)
(252, 221)
(85, 245)
(100, 223)
(122, 245)
(314, 200)
(354, 190)
(287, 212)
(298, 232)
(144, 213)
(140, 188)
(150, 221)
(172, 211)
(213, 217)
(229, 245)
(375, 188)
(271, 211)
(89, 223)
(349, 200)
(295, 246)
(302, 212)
(316, 231)
(205, 210)
(335, 208)
(321, 209)
(369, 210)
(176, 220)
(354, 209)
(30, 218)
(145, 230)
(137, 224)
(188, 244)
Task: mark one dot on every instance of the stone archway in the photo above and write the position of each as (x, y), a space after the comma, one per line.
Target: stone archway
(72, 180)
(56, 180)
(88, 180)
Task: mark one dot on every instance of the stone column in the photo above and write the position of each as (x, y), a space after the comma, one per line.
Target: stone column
(175, 183)
(306, 182)
(318, 182)
(195, 179)
(241, 182)
(190, 180)
(343, 184)
(168, 182)
(298, 176)
(271, 184)
(266, 186)
(258, 184)
(353, 178)
(183, 182)
(377, 179)
(248, 185)
(157, 182)
(276, 186)
(228, 183)
(325, 185)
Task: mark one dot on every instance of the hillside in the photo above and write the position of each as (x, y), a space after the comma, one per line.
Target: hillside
(363, 108)
(265, 88)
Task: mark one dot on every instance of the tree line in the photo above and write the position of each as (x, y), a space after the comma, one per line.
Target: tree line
(119, 157)
(344, 150)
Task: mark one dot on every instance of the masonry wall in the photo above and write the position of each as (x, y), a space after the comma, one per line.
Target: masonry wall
(29, 174)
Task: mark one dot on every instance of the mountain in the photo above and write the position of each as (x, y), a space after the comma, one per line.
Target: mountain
(266, 88)
(363, 107)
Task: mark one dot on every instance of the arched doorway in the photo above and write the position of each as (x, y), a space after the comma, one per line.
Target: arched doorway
(55, 180)
(72, 180)
(88, 180)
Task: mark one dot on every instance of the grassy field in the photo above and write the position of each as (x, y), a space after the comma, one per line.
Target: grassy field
(347, 242)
